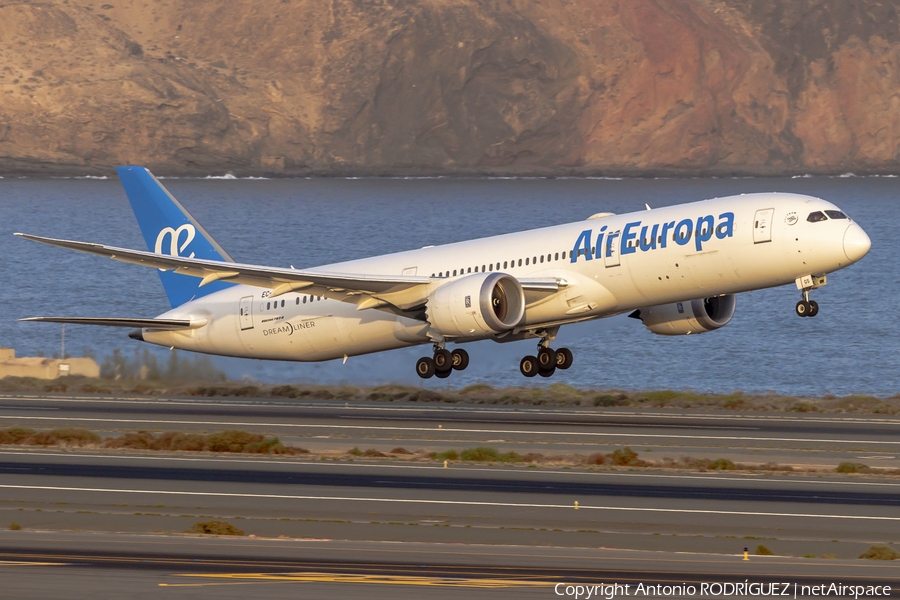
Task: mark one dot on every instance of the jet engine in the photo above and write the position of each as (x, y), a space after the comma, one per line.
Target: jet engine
(477, 305)
(683, 318)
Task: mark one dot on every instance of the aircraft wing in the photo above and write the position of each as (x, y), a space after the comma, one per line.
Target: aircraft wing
(162, 324)
(404, 294)
(403, 291)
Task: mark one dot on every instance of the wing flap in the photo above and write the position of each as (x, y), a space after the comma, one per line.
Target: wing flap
(161, 324)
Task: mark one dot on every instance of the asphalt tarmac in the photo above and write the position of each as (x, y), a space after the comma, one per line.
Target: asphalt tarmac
(326, 528)
(64, 565)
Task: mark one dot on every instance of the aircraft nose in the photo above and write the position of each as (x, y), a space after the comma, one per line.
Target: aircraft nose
(856, 242)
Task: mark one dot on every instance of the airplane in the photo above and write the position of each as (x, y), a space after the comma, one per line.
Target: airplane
(677, 269)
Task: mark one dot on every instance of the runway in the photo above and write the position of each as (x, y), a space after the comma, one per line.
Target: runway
(149, 566)
(377, 525)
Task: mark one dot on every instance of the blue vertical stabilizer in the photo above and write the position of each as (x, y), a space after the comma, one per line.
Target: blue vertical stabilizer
(170, 229)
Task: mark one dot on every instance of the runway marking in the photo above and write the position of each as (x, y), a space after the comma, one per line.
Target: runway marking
(457, 430)
(714, 478)
(21, 563)
(446, 502)
(353, 578)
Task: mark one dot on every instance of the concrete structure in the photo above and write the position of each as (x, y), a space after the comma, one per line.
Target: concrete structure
(45, 368)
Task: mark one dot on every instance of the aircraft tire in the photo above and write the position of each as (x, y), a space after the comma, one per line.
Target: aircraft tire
(443, 374)
(803, 308)
(425, 367)
(529, 366)
(547, 372)
(546, 358)
(459, 359)
(443, 360)
(813, 308)
(564, 358)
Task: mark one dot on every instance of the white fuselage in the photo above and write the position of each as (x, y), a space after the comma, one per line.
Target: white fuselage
(765, 242)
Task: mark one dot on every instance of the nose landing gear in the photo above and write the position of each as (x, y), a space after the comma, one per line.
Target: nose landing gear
(443, 363)
(547, 361)
(806, 284)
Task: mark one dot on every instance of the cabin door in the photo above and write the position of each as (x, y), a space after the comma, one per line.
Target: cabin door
(762, 225)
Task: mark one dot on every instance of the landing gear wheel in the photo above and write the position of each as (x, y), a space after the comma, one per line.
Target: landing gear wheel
(564, 358)
(813, 308)
(546, 358)
(443, 374)
(459, 359)
(443, 360)
(547, 372)
(803, 308)
(529, 366)
(425, 367)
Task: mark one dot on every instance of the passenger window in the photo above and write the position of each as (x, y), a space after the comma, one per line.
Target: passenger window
(504, 264)
(816, 217)
(836, 214)
(268, 305)
(483, 269)
(542, 258)
(298, 299)
(282, 304)
(304, 299)
(534, 260)
(526, 261)
(454, 272)
(557, 256)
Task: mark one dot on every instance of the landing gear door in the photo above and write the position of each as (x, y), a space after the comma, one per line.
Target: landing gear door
(246, 313)
(762, 225)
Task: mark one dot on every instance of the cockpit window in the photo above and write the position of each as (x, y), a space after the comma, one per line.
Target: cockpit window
(817, 216)
(836, 214)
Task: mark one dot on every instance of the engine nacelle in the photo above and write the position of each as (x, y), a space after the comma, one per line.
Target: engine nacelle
(476, 305)
(683, 318)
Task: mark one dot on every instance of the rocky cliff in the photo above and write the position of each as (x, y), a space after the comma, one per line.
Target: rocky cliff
(291, 87)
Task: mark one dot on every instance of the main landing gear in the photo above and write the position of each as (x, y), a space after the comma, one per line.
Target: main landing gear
(547, 361)
(443, 363)
(807, 307)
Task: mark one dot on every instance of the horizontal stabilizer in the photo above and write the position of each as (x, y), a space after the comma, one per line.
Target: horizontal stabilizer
(162, 324)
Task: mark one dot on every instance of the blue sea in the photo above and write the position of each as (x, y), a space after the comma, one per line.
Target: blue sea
(850, 347)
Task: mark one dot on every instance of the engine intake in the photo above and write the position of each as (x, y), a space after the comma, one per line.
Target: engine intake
(477, 305)
(683, 318)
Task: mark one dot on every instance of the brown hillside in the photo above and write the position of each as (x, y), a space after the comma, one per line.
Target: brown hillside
(450, 86)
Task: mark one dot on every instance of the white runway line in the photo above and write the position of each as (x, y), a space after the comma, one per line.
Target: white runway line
(458, 430)
(445, 502)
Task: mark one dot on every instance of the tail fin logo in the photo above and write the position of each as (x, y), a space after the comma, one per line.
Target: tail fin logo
(174, 249)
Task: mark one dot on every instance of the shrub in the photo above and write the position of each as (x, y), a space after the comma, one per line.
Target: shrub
(849, 467)
(373, 453)
(597, 458)
(16, 435)
(763, 551)
(625, 457)
(231, 440)
(215, 528)
(446, 455)
(400, 451)
(880, 553)
(15, 526)
(533, 457)
(480, 453)
(354, 451)
(722, 464)
(70, 435)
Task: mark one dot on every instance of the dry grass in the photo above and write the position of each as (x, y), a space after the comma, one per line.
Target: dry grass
(555, 394)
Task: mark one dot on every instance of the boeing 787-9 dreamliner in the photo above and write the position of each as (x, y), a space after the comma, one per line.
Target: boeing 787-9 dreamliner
(677, 269)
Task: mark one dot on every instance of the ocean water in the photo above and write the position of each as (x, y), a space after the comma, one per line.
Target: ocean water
(850, 347)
